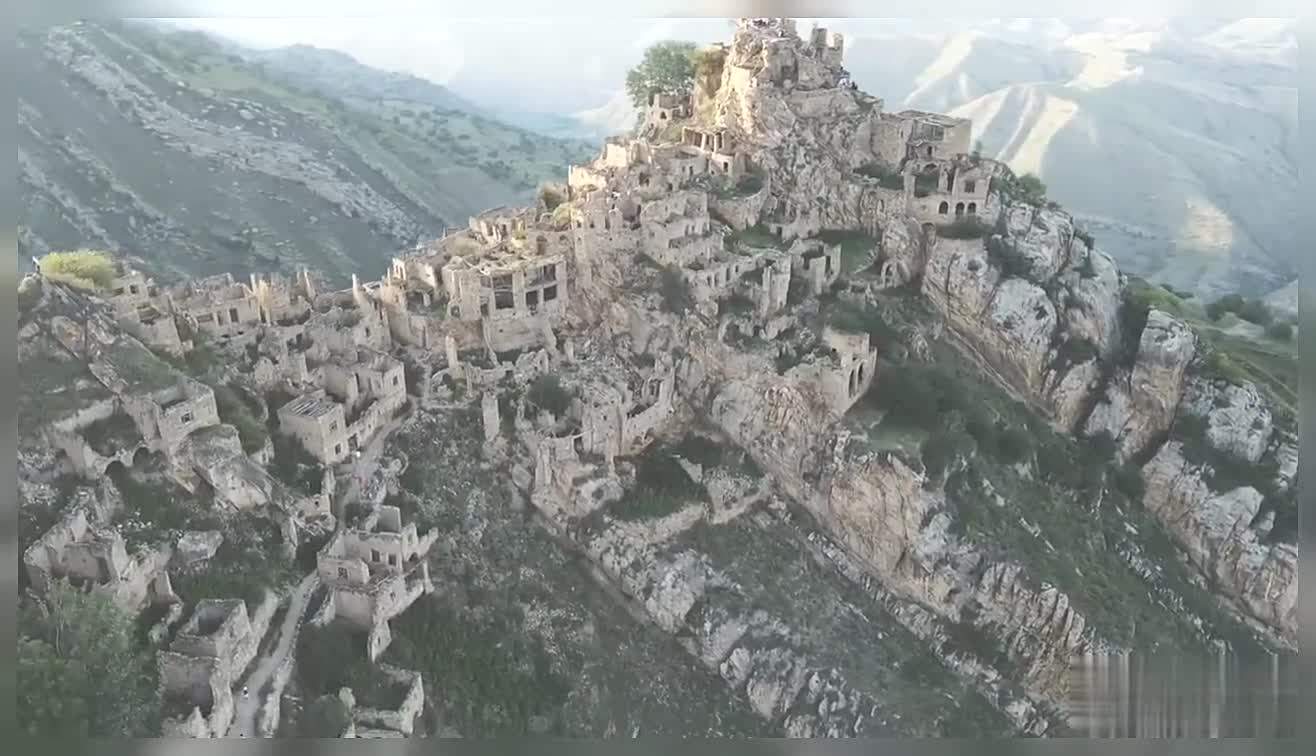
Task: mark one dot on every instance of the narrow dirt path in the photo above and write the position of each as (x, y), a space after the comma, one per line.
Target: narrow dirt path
(247, 707)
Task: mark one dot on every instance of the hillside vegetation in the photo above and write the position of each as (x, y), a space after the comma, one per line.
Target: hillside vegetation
(200, 157)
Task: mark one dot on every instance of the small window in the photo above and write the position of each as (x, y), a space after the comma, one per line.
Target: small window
(395, 380)
(133, 288)
(119, 291)
(333, 426)
(338, 448)
(342, 573)
(392, 560)
(969, 186)
(232, 311)
(550, 293)
(367, 333)
(374, 555)
(187, 417)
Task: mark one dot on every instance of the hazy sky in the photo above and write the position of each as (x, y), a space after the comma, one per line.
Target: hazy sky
(564, 65)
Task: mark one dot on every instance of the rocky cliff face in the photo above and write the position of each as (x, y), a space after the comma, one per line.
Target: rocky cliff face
(1042, 324)
(1219, 532)
(1139, 405)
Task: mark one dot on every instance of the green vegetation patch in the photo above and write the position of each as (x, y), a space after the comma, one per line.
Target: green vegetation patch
(235, 409)
(80, 671)
(111, 435)
(82, 269)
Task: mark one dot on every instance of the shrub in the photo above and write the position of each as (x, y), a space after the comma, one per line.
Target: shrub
(233, 410)
(552, 195)
(1031, 189)
(326, 717)
(1251, 310)
(547, 393)
(1280, 331)
(83, 268)
(675, 289)
(940, 451)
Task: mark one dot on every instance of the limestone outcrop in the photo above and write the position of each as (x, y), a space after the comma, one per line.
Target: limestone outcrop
(1139, 405)
(1218, 531)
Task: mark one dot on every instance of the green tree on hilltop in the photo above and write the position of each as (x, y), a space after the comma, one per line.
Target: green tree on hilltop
(668, 67)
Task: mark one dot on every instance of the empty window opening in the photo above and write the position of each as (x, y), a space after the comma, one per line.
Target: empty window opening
(959, 209)
(503, 300)
(973, 208)
(970, 186)
(532, 299)
(550, 294)
(374, 555)
(943, 208)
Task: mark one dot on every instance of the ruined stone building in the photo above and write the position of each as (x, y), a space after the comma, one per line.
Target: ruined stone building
(202, 665)
(373, 572)
(361, 391)
(96, 559)
(218, 306)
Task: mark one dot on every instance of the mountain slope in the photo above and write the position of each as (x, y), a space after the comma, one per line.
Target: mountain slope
(1174, 141)
(171, 147)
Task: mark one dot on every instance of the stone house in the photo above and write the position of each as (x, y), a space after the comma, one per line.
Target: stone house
(204, 662)
(373, 572)
(218, 306)
(97, 559)
(360, 391)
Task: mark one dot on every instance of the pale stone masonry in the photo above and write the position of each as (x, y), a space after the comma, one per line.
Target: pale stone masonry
(373, 572)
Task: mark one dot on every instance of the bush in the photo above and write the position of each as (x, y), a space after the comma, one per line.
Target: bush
(233, 410)
(326, 717)
(1251, 310)
(675, 289)
(940, 451)
(1031, 189)
(552, 195)
(83, 268)
(1280, 331)
(547, 393)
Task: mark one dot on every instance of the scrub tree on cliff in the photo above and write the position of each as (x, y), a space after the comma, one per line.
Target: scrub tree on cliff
(667, 67)
(80, 671)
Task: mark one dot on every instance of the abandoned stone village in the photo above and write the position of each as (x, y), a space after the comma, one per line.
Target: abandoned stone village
(687, 278)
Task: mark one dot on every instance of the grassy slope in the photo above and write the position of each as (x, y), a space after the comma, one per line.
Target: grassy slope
(189, 215)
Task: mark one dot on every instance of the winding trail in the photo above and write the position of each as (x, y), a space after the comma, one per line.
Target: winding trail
(246, 709)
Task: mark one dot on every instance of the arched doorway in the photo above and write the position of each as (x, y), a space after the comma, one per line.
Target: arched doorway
(943, 208)
(973, 208)
(959, 209)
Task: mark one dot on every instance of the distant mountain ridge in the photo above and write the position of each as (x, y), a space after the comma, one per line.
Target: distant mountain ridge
(199, 156)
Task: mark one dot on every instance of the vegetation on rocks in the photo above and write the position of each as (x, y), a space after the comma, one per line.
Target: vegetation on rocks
(83, 268)
(80, 672)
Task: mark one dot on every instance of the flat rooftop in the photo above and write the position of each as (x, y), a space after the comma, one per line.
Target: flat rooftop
(309, 405)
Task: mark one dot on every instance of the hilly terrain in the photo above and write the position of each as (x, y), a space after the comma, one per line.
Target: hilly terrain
(196, 156)
(1174, 141)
